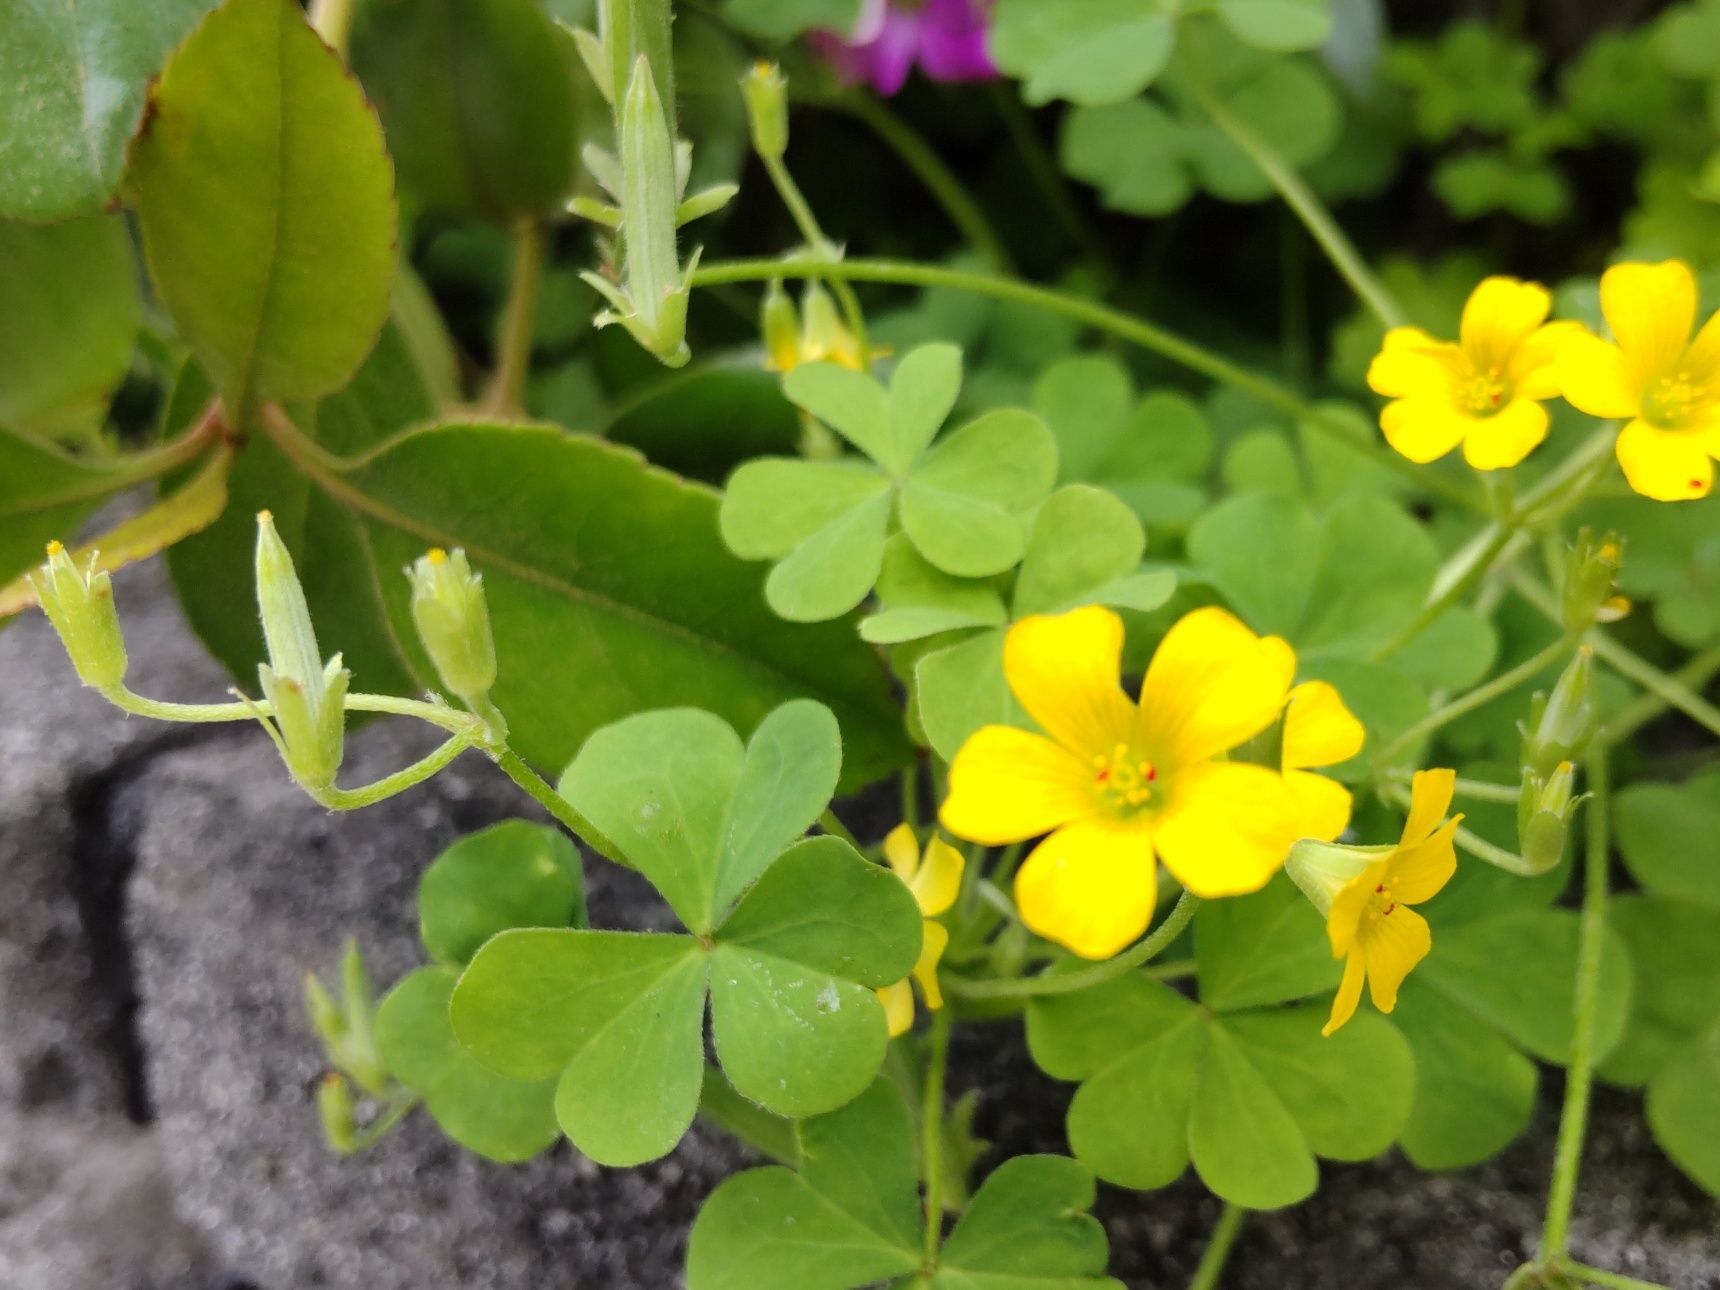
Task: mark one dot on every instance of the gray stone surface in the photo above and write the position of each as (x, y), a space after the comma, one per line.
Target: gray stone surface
(187, 871)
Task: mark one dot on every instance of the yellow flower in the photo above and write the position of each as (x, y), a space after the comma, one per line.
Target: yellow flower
(1365, 894)
(934, 877)
(1120, 785)
(1319, 731)
(817, 336)
(1654, 376)
(1485, 390)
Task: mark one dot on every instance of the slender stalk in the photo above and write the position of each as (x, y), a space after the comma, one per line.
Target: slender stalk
(1502, 684)
(836, 828)
(399, 1106)
(1606, 1280)
(1471, 788)
(1474, 562)
(1135, 330)
(1175, 970)
(821, 246)
(939, 180)
(1579, 1076)
(352, 799)
(436, 714)
(1312, 212)
(1696, 673)
(1224, 1232)
(1474, 844)
(1143, 950)
(932, 1129)
(519, 320)
(515, 768)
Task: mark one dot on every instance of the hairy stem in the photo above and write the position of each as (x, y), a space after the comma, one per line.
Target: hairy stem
(535, 787)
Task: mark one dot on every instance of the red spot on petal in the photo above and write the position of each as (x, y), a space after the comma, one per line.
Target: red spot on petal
(1391, 907)
(1152, 773)
(1105, 774)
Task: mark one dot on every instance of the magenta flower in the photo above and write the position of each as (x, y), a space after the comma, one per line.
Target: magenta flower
(947, 38)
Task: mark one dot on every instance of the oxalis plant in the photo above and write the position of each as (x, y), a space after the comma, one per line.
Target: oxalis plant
(1287, 836)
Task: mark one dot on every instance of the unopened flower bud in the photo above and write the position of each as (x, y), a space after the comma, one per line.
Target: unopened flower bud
(1591, 568)
(766, 93)
(325, 1014)
(779, 325)
(347, 1026)
(79, 603)
(1544, 816)
(1322, 869)
(453, 621)
(1561, 723)
(308, 696)
(334, 1106)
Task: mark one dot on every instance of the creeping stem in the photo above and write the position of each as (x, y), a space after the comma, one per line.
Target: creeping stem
(932, 1131)
(1218, 1247)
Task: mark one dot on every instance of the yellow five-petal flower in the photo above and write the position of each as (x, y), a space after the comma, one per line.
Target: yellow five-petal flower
(1484, 391)
(1119, 785)
(1665, 385)
(934, 877)
(1319, 731)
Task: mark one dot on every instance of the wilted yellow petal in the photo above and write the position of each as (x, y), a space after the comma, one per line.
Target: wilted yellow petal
(1008, 785)
(1651, 309)
(1318, 729)
(1067, 671)
(934, 940)
(1668, 465)
(1424, 429)
(1505, 438)
(1212, 685)
(1227, 828)
(898, 1001)
(1091, 886)
(1349, 993)
(1498, 317)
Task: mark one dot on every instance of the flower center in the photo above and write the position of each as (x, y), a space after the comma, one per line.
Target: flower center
(1125, 779)
(1483, 392)
(1671, 400)
(1384, 900)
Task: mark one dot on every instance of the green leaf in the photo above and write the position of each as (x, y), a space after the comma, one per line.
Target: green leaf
(1670, 837)
(1684, 1113)
(1134, 153)
(498, 1118)
(1075, 1035)
(73, 79)
(1086, 51)
(793, 762)
(849, 1217)
(513, 874)
(922, 600)
(961, 688)
(923, 389)
(1083, 538)
(964, 505)
(477, 99)
(1533, 1003)
(1474, 1092)
(1246, 1145)
(70, 321)
(1268, 947)
(266, 202)
(1278, 25)
(1027, 1228)
(616, 1014)
(783, 19)
(849, 402)
(1129, 1123)
(45, 494)
(1675, 957)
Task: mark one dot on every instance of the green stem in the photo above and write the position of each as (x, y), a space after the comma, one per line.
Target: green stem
(1218, 1247)
(836, 828)
(515, 768)
(1175, 970)
(1471, 788)
(929, 168)
(1312, 212)
(1135, 330)
(1579, 1075)
(436, 714)
(1606, 1280)
(822, 249)
(1696, 673)
(932, 1131)
(1066, 982)
(1474, 844)
(352, 799)
(519, 320)
(1502, 684)
(1473, 563)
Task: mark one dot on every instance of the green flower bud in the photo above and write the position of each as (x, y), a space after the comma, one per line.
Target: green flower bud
(1322, 869)
(1544, 814)
(79, 603)
(334, 1106)
(1560, 724)
(453, 621)
(779, 324)
(766, 93)
(308, 696)
(327, 1019)
(347, 1026)
(1591, 568)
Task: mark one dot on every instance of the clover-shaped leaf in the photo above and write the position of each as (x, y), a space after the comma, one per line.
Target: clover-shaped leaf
(1249, 1095)
(851, 1216)
(1670, 837)
(1085, 549)
(1683, 1112)
(963, 501)
(513, 874)
(789, 945)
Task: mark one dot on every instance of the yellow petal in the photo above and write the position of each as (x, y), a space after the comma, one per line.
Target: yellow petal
(1322, 805)
(1411, 362)
(1499, 316)
(1212, 685)
(1008, 785)
(1349, 994)
(1702, 361)
(1067, 671)
(1430, 794)
(1393, 944)
(1667, 465)
(1091, 886)
(1227, 827)
(1318, 729)
(1651, 309)
(1505, 438)
(1420, 870)
(902, 850)
(1344, 919)
(934, 939)
(1592, 376)
(1424, 429)
(939, 878)
(898, 1001)
(1534, 368)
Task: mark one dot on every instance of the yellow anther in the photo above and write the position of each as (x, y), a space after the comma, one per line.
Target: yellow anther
(54, 548)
